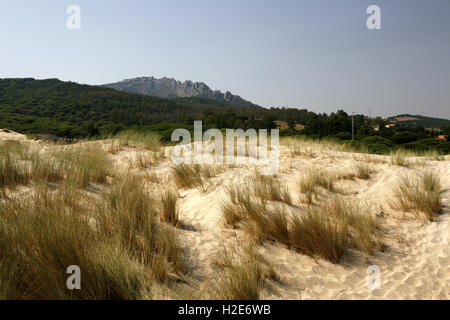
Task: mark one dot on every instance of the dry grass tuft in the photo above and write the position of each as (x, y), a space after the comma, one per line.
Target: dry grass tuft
(322, 231)
(231, 213)
(14, 170)
(309, 148)
(143, 160)
(113, 146)
(14, 147)
(241, 206)
(434, 155)
(312, 180)
(400, 158)
(316, 234)
(143, 140)
(123, 251)
(420, 194)
(188, 176)
(128, 211)
(169, 212)
(85, 164)
(363, 170)
(268, 225)
(193, 176)
(326, 230)
(242, 276)
(268, 188)
(41, 236)
(365, 230)
(46, 168)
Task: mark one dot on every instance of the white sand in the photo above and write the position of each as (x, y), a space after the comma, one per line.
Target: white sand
(10, 135)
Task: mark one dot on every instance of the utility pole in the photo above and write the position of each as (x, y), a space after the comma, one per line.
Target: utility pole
(353, 127)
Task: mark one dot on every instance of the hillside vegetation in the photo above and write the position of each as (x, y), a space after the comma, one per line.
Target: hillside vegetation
(71, 110)
(417, 120)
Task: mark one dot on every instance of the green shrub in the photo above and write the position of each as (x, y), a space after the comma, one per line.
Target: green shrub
(429, 145)
(344, 135)
(404, 137)
(376, 144)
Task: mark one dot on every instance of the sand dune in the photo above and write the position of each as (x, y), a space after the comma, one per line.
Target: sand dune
(415, 264)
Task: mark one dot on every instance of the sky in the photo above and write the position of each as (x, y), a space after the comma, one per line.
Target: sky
(314, 54)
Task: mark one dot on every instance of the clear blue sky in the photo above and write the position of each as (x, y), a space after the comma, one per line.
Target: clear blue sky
(315, 54)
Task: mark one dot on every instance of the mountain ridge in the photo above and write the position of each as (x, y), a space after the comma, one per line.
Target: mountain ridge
(420, 120)
(171, 88)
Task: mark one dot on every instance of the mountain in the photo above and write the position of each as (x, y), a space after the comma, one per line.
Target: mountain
(69, 109)
(418, 120)
(170, 88)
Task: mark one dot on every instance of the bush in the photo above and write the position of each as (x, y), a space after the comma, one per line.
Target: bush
(343, 135)
(376, 144)
(429, 145)
(404, 137)
(288, 132)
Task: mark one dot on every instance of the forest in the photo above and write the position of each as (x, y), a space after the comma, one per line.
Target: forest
(70, 110)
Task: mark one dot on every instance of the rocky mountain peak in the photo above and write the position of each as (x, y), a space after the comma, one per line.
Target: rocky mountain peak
(171, 88)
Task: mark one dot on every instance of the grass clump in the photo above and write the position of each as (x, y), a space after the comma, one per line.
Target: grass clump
(434, 155)
(419, 193)
(14, 147)
(262, 223)
(13, 172)
(241, 206)
(399, 157)
(41, 237)
(46, 168)
(85, 164)
(268, 188)
(143, 140)
(365, 231)
(313, 179)
(325, 230)
(128, 211)
(144, 159)
(188, 176)
(363, 170)
(231, 214)
(242, 276)
(192, 176)
(268, 225)
(169, 212)
(122, 249)
(316, 234)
